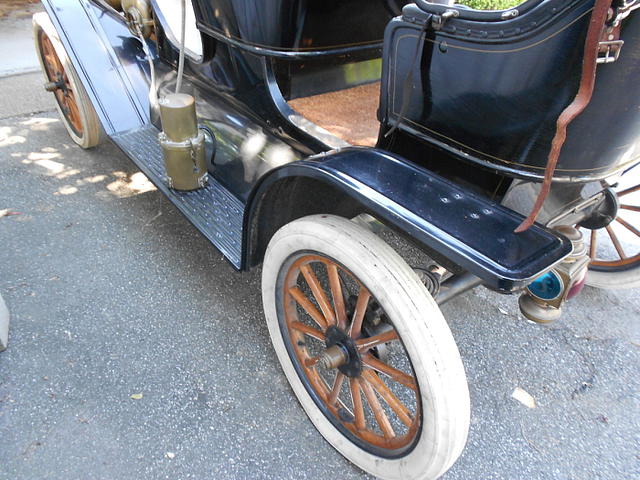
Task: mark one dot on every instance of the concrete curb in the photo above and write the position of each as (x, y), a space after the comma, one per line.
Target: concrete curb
(19, 71)
(4, 325)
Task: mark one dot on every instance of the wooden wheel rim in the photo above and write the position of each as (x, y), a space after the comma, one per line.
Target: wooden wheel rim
(55, 72)
(624, 261)
(371, 414)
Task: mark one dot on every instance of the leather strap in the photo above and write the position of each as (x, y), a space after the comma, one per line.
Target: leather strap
(582, 99)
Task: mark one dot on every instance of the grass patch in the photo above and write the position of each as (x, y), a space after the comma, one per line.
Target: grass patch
(490, 4)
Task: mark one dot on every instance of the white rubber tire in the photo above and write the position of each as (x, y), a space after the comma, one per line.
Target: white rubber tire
(91, 129)
(424, 332)
(614, 280)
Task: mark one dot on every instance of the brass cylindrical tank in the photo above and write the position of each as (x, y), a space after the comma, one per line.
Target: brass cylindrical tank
(178, 112)
(183, 145)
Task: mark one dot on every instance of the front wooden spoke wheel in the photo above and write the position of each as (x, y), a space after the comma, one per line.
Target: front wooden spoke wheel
(61, 79)
(57, 75)
(376, 401)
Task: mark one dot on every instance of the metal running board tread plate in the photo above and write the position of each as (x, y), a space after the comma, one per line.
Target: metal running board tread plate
(213, 210)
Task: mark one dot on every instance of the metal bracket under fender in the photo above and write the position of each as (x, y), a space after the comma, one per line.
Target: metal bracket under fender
(469, 230)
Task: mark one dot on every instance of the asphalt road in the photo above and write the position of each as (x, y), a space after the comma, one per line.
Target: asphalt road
(113, 293)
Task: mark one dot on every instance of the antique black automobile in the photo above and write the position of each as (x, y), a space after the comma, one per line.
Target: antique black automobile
(305, 135)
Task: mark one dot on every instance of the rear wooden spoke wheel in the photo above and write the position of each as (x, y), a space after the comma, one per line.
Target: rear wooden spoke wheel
(374, 402)
(401, 414)
(615, 249)
(73, 103)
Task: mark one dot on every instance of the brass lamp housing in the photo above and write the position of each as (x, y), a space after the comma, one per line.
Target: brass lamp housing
(139, 16)
(569, 272)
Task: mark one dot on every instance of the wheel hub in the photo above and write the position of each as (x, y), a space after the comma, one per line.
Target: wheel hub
(605, 213)
(341, 353)
(57, 85)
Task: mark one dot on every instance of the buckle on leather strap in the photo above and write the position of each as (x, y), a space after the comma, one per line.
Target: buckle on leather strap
(609, 51)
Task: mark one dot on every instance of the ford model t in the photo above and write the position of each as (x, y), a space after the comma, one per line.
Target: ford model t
(300, 135)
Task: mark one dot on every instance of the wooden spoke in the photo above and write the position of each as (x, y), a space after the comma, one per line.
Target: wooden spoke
(393, 373)
(326, 391)
(629, 190)
(311, 362)
(335, 390)
(378, 412)
(365, 344)
(308, 307)
(50, 62)
(312, 332)
(358, 315)
(336, 293)
(385, 392)
(592, 244)
(628, 226)
(74, 113)
(319, 294)
(358, 409)
(616, 242)
(633, 208)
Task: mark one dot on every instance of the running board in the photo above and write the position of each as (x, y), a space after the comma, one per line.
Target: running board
(213, 209)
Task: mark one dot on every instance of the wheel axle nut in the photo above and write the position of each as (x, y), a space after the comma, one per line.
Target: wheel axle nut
(332, 357)
(51, 86)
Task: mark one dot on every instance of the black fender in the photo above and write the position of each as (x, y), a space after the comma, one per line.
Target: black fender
(110, 64)
(448, 221)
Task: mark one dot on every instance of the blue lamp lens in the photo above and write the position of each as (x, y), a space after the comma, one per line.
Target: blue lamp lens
(546, 287)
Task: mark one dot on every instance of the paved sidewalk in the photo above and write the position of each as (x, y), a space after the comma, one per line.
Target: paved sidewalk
(114, 293)
(24, 94)
(21, 81)
(17, 54)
